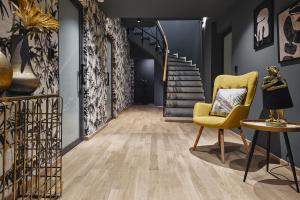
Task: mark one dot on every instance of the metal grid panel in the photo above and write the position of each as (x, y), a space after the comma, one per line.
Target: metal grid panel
(31, 144)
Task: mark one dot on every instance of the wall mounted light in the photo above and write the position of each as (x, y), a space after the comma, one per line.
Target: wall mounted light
(138, 20)
(204, 20)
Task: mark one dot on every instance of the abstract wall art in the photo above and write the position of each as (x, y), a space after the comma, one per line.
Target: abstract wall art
(289, 33)
(263, 25)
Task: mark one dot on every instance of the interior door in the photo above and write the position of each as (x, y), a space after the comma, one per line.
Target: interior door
(108, 80)
(69, 65)
(227, 56)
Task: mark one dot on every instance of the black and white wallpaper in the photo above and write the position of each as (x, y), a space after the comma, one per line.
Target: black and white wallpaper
(43, 47)
(43, 59)
(97, 30)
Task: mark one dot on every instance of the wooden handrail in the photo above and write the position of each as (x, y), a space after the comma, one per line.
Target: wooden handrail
(166, 50)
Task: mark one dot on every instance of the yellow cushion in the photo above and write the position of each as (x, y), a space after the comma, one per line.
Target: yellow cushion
(209, 121)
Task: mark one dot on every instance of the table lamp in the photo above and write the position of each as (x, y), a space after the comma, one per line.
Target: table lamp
(276, 97)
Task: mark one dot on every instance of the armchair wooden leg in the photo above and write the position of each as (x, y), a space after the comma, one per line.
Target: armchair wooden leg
(244, 140)
(198, 137)
(221, 135)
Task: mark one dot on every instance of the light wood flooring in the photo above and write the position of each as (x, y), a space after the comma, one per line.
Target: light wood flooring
(138, 156)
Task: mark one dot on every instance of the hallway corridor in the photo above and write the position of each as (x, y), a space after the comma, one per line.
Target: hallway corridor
(138, 156)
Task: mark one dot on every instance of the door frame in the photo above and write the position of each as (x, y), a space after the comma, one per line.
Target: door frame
(223, 35)
(80, 8)
(110, 39)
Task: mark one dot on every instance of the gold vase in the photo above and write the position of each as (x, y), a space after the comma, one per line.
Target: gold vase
(5, 73)
(24, 81)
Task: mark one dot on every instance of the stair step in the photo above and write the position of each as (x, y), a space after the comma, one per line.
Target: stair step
(185, 89)
(177, 68)
(185, 83)
(179, 112)
(176, 59)
(172, 63)
(184, 78)
(185, 96)
(184, 73)
(173, 56)
(181, 103)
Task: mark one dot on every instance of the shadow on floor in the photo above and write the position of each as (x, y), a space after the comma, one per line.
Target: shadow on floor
(235, 158)
(277, 182)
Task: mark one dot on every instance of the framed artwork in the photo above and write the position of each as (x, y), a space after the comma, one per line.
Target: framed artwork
(263, 25)
(289, 33)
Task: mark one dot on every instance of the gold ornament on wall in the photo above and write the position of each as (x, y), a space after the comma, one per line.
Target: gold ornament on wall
(32, 20)
(33, 17)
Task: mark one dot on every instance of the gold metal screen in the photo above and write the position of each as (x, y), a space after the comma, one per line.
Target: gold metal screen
(30, 147)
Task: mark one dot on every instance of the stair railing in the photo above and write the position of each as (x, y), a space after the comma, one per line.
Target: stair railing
(166, 51)
(158, 35)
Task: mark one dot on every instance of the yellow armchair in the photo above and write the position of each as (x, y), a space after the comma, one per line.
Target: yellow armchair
(201, 113)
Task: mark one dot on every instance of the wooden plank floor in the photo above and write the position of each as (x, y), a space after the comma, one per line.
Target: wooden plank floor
(138, 156)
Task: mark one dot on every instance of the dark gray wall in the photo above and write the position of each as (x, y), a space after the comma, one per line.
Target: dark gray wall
(245, 57)
(184, 37)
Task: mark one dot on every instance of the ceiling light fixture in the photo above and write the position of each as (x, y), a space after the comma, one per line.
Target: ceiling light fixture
(204, 20)
(139, 20)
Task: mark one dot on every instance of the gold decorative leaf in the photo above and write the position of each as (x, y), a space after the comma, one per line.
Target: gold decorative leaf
(33, 17)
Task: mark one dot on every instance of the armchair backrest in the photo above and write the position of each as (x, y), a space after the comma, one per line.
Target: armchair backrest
(248, 81)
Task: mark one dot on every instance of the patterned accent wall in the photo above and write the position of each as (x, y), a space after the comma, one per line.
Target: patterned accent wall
(44, 61)
(97, 30)
(43, 47)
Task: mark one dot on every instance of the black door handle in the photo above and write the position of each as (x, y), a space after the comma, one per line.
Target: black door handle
(107, 78)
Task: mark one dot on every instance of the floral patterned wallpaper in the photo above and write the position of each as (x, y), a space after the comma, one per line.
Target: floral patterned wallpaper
(97, 30)
(43, 47)
(44, 61)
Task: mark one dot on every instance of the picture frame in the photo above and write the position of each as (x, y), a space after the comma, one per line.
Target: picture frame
(263, 33)
(288, 34)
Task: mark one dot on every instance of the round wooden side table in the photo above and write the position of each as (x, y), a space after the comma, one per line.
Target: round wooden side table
(260, 125)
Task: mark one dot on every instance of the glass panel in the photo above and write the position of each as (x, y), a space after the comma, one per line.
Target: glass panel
(68, 69)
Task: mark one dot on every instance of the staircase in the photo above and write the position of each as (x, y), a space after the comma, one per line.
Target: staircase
(182, 82)
(184, 87)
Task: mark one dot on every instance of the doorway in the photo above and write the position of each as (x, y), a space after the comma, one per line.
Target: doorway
(227, 53)
(144, 81)
(69, 70)
(108, 71)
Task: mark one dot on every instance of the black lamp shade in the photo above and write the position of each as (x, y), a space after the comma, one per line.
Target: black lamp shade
(277, 99)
